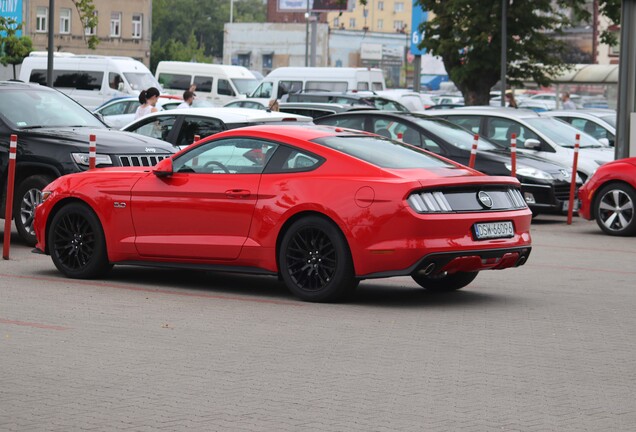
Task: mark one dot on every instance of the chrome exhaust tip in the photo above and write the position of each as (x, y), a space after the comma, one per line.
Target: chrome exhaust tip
(429, 269)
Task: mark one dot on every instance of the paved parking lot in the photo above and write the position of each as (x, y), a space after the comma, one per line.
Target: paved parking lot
(546, 347)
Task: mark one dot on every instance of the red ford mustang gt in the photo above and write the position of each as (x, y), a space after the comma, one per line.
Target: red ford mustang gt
(320, 207)
(609, 196)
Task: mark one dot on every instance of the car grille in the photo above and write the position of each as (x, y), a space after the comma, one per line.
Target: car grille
(463, 200)
(562, 192)
(141, 160)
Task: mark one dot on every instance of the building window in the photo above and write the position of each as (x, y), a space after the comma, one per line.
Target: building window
(115, 24)
(336, 22)
(41, 15)
(380, 24)
(399, 7)
(136, 26)
(65, 21)
(398, 25)
(90, 31)
(268, 61)
(352, 22)
(381, 5)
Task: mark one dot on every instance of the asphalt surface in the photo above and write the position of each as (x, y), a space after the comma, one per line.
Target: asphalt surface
(549, 346)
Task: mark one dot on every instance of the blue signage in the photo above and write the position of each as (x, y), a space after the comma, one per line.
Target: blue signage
(12, 9)
(417, 17)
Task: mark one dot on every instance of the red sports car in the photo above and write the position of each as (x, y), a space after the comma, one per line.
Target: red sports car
(320, 207)
(609, 196)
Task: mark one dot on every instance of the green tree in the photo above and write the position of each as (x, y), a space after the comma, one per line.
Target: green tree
(88, 16)
(466, 34)
(175, 21)
(13, 48)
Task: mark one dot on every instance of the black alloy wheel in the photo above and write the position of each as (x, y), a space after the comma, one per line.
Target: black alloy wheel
(76, 242)
(315, 261)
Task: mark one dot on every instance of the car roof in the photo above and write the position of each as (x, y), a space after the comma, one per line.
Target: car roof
(301, 132)
(232, 115)
(595, 112)
(487, 110)
(18, 83)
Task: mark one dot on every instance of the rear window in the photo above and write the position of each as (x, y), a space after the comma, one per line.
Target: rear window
(383, 152)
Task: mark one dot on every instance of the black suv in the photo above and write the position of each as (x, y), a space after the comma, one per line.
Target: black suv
(53, 138)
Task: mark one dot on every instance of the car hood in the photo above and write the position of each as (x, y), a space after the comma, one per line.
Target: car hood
(604, 154)
(108, 141)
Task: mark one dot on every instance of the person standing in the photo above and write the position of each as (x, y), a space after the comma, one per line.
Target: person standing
(273, 105)
(510, 100)
(188, 99)
(148, 100)
(567, 103)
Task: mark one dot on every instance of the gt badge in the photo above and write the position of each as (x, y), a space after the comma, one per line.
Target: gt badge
(484, 199)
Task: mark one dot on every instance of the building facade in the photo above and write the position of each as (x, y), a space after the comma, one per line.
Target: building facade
(123, 29)
(378, 16)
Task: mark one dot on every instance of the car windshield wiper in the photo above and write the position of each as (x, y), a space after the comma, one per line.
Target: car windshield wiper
(33, 127)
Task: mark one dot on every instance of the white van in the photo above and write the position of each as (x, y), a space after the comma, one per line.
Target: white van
(286, 80)
(216, 83)
(89, 79)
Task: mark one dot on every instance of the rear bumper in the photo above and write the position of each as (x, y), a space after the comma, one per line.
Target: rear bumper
(464, 261)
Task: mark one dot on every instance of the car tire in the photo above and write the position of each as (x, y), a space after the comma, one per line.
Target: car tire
(444, 282)
(27, 196)
(614, 209)
(76, 242)
(315, 261)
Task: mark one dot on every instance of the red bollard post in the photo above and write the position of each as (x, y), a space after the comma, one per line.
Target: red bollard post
(513, 155)
(92, 151)
(13, 146)
(473, 152)
(573, 181)
(400, 136)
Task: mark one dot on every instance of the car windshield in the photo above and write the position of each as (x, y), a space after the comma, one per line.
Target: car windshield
(611, 119)
(30, 108)
(454, 135)
(141, 81)
(562, 133)
(244, 85)
(383, 152)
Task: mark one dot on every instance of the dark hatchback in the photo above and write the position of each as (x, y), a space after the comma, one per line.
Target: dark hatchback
(53, 139)
(368, 99)
(545, 185)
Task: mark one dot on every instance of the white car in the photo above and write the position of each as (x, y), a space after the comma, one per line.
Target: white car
(180, 126)
(118, 112)
(600, 123)
(545, 137)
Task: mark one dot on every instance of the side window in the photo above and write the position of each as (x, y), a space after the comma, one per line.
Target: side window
(115, 81)
(204, 84)
(500, 130)
(342, 86)
(350, 122)
(38, 76)
(289, 87)
(115, 109)
(409, 135)
(363, 86)
(227, 156)
(89, 81)
(224, 88)
(377, 86)
(201, 126)
(174, 81)
(299, 161)
(132, 106)
(384, 128)
(467, 122)
(432, 146)
(264, 90)
(156, 127)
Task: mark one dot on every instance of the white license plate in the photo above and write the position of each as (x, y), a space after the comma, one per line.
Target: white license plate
(566, 205)
(490, 230)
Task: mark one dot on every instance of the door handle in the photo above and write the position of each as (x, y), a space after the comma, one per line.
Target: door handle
(237, 193)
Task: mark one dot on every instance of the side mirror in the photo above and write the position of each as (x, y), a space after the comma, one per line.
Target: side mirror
(163, 168)
(604, 141)
(532, 144)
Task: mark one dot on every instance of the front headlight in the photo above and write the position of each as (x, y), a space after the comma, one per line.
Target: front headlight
(531, 172)
(100, 159)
